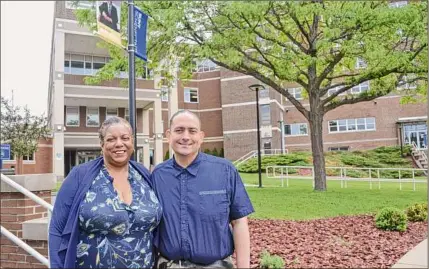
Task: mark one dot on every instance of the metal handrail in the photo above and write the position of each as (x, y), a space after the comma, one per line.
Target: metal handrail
(37, 200)
(271, 172)
(27, 193)
(423, 154)
(244, 156)
(254, 153)
(25, 246)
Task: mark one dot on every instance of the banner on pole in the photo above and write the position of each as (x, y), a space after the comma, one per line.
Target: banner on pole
(140, 28)
(109, 21)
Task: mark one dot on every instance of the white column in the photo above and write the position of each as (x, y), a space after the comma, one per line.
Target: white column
(157, 131)
(58, 103)
(146, 151)
(173, 102)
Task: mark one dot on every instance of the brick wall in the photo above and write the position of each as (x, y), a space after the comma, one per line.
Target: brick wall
(16, 208)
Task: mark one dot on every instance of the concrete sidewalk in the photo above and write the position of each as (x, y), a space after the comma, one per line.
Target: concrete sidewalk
(415, 258)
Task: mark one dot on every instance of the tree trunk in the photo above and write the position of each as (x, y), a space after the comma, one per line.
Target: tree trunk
(19, 166)
(316, 134)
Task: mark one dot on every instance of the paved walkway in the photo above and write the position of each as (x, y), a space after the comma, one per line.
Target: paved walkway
(415, 258)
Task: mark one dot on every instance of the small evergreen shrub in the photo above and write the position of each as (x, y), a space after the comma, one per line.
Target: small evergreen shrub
(271, 261)
(391, 219)
(417, 212)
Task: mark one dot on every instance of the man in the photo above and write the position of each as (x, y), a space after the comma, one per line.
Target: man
(201, 196)
(109, 15)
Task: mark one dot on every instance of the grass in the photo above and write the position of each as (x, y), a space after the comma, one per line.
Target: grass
(300, 202)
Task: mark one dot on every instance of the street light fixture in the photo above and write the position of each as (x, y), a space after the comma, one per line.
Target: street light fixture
(256, 88)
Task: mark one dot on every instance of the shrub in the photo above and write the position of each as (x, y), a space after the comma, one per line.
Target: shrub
(215, 153)
(221, 153)
(207, 151)
(391, 219)
(417, 212)
(271, 261)
(167, 155)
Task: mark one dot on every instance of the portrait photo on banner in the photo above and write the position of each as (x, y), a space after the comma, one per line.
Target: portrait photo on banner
(108, 21)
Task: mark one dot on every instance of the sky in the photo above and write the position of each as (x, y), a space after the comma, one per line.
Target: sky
(26, 36)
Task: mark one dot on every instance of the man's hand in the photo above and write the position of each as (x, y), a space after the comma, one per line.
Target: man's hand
(106, 16)
(240, 231)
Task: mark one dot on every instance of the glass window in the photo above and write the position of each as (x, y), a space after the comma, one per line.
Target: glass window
(264, 93)
(127, 114)
(28, 157)
(72, 116)
(204, 65)
(191, 95)
(92, 117)
(296, 129)
(351, 125)
(398, 4)
(360, 63)
(265, 115)
(111, 112)
(364, 86)
(296, 93)
(80, 4)
(164, 94)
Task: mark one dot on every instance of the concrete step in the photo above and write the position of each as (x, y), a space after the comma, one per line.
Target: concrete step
(36, 229)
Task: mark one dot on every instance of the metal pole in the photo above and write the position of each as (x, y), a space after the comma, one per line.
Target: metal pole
(282, 136)
(132, 75)
(259, 137)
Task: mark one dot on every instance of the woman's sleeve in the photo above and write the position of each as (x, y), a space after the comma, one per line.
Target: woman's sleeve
(60, 216)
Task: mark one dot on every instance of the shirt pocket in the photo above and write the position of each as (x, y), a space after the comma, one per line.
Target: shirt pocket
(213, 205)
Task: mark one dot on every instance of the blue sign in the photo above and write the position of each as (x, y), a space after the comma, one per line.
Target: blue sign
(140, 27)
(5, 151)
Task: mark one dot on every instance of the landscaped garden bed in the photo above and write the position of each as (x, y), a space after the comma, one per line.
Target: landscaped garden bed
(339, 242)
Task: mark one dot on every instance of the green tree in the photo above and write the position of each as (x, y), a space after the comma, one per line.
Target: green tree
(214, 152)
(326, 47)
(21, 130)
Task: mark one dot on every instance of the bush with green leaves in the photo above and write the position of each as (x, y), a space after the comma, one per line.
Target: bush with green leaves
(295, 159)
(271, 261)
(417, 212)
(391, 219)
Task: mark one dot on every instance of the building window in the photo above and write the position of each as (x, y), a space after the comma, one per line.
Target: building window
(205, 65)
(296, 93)
(191, 95)
(363, 87)
(164, 94)
(72, 116)
(76, 64)
(334, 90)
(80, 4)
(352, 125)
(111, 112)
(398, 4)
(92, 117)
(345, 148)
(403, 84)
(127, 114)
(264, 93)
(296, 129)
(265, 114)
(28, 158)
(360, 63)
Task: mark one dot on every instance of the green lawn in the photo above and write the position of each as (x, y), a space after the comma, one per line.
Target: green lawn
(300, 202)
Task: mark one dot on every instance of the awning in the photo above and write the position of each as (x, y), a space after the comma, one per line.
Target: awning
(412, 119)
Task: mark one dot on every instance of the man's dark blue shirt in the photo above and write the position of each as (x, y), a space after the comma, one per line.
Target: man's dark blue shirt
(199, 202)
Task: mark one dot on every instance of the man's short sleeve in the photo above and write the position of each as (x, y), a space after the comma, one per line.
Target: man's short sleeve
(241, 205)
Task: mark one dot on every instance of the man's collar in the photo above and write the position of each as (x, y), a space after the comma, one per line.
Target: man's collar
(192, 168)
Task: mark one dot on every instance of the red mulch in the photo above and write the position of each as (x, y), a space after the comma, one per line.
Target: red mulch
(345, 242)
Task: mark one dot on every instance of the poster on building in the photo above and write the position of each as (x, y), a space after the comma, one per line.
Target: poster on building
(108, 21)
(266, 131)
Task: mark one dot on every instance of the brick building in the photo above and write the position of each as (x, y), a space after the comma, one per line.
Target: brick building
(220, 97)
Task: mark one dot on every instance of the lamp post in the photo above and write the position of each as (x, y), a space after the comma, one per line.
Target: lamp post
(256, 88)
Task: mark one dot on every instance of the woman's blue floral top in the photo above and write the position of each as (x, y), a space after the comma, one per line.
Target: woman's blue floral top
(112, 233)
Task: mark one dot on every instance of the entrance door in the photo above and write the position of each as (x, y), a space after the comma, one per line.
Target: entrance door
(416, 134)
(86, 156)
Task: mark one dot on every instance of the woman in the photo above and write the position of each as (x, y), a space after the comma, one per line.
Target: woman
(105, 211)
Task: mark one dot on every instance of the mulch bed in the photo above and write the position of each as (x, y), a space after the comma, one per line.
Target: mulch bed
(340, 242)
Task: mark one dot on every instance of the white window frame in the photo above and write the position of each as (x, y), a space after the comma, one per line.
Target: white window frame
(358, 89)
(294, 91)
(127, 114)
(204, 65)
(398, 4)
(25, 159)
(80, 5)
(360, 63)
(291, 135)
(355, 125)
(339, 148)
(406, 85)
(107, 108)
(78, 116)
(164, 94)
(98, 113)
(187, 91)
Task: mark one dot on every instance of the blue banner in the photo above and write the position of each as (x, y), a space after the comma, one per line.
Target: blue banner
(140, 27)
(5, 151)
